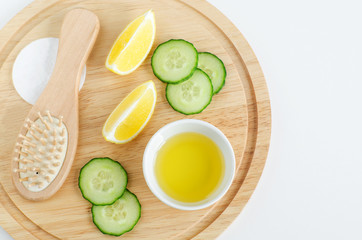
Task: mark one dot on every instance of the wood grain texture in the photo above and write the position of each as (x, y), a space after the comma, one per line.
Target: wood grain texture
(241, 110)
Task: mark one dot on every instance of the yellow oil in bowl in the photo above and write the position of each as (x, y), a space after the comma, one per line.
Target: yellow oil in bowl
(189, 167)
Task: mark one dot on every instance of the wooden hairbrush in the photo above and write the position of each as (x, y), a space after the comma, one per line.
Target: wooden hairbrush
(47, 142)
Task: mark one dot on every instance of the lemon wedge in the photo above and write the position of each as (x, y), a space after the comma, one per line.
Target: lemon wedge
(130, 116)
(132, 45)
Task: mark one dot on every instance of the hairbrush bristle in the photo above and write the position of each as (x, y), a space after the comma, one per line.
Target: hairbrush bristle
(54, 142)
(47, 178)
(52, 149)
(60, 121)
(20, 145)
(24, 137)
(41, 151)
(49, 116)
(29, 121)
(31, 184)
(56, 164)
(25, 160)
(45, 133)
(62, 133)
(29, 152)
(21, 153)
(43, 121)
(23, 179)
(43, 141)
(27, 143)
(38, 159)
(45, 165)
(36, 127)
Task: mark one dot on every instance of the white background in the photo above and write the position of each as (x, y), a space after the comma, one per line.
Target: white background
(311, 55)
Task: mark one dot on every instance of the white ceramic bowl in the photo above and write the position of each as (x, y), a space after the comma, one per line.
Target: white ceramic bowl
(181, 126)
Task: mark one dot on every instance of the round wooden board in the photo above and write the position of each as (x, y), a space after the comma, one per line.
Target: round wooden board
(241, 110)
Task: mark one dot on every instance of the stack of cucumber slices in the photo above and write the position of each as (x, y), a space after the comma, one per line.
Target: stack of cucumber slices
(115, 209)
(192, 77)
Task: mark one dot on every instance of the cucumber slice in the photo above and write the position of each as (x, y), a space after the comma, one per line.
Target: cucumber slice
(191, 96)
(118, 218)
(102, 181)
(174, 61)
(214, 68)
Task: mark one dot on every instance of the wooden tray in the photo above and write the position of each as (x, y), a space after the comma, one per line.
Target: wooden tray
(241, 110)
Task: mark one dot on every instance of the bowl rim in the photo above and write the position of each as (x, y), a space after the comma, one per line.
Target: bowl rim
(177, 204)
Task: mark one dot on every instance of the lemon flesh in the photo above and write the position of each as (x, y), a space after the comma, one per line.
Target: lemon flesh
(132, 45)
(130, 116)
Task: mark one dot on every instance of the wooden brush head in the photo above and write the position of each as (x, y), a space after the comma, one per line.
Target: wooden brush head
(47, 142)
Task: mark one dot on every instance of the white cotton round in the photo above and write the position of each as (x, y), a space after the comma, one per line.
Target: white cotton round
(33, 67)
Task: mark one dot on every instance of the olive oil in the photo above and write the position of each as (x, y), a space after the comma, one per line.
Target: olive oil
(189, 167)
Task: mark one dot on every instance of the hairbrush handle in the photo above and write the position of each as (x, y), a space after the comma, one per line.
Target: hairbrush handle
(78, 34)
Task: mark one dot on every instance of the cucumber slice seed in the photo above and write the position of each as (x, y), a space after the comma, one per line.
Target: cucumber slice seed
(214, 68)
(174, 61)
(191, 96)
(118, 218)
(102, 181)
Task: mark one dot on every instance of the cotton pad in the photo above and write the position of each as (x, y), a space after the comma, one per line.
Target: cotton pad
(33, 67)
